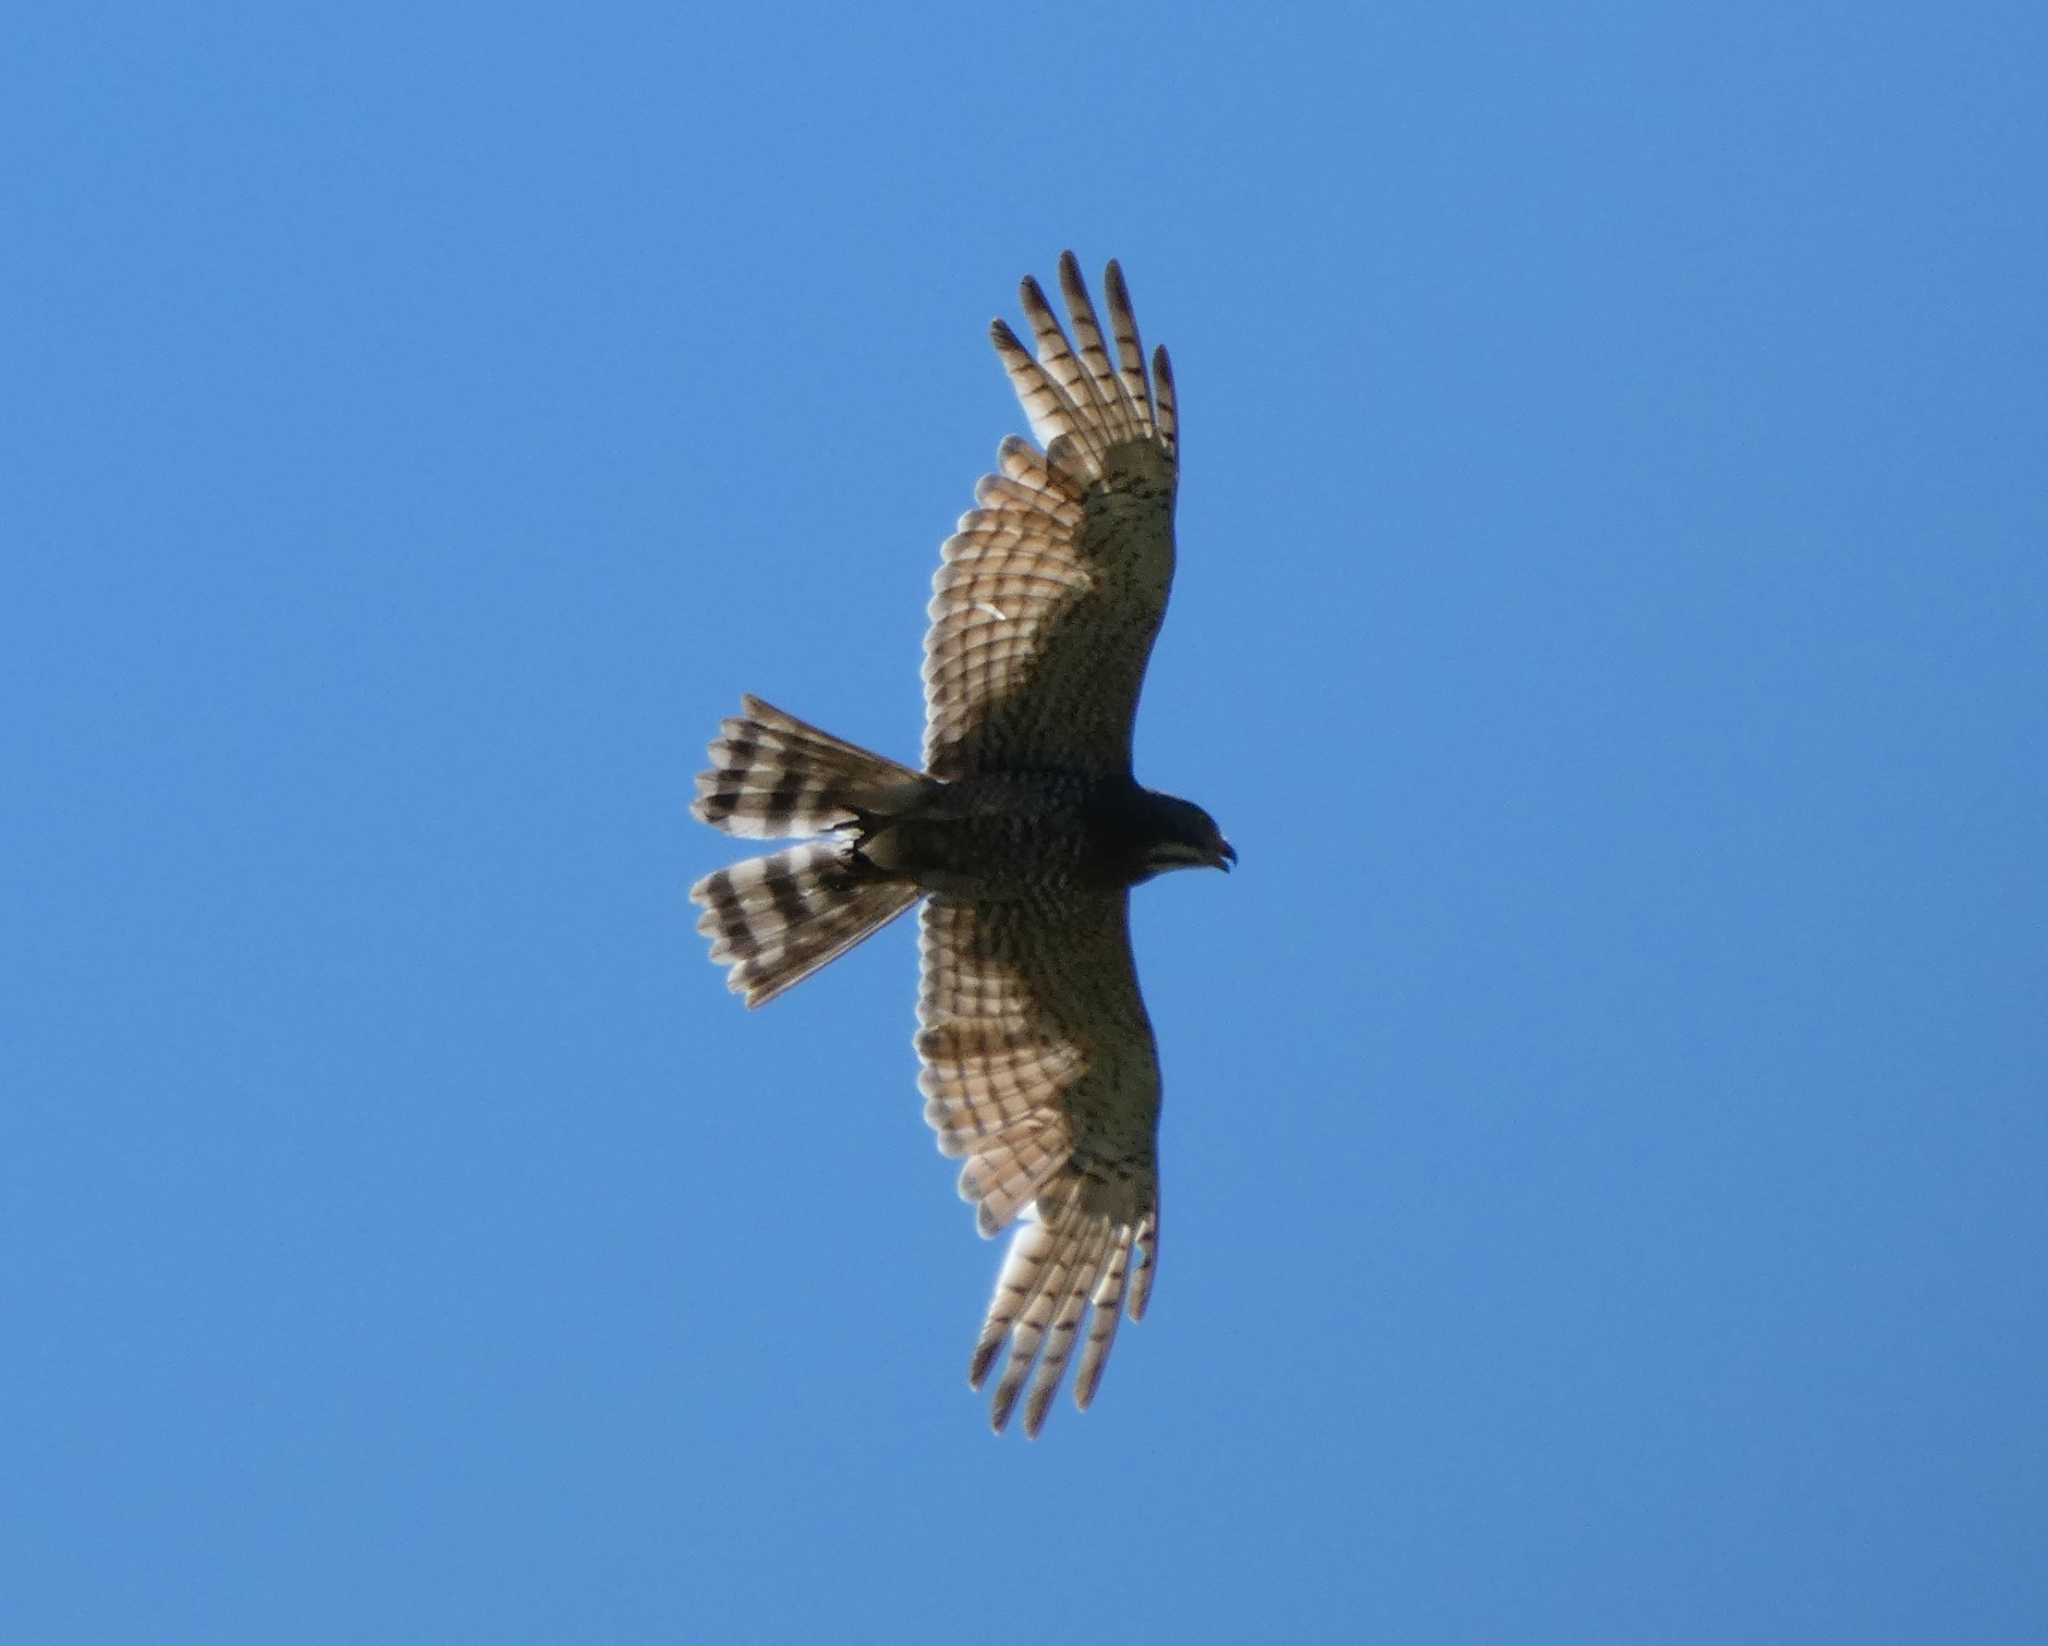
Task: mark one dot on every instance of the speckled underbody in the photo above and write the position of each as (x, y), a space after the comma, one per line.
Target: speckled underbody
(1015, 836)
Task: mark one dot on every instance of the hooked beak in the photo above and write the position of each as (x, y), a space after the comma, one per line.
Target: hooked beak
(1224, 855)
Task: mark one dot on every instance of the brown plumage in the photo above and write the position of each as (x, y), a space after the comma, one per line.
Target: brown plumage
(1023, 835)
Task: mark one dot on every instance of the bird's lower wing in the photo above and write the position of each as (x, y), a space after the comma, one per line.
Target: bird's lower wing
(1040, 1068)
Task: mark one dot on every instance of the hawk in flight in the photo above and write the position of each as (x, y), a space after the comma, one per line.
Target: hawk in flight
(1023, 834)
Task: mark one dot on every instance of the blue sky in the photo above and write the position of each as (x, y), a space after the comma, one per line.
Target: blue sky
(1604, 1131)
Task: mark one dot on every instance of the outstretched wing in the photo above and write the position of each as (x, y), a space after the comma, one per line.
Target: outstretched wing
(1049, 594)
(1040, 1068)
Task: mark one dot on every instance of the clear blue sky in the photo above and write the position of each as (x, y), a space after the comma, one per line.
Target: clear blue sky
(1605, 1128)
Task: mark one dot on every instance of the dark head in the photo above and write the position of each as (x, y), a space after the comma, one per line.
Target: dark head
(1181, 836)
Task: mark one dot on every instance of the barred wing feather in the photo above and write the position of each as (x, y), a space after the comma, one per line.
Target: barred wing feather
(1039, 1067)
(1049, 594)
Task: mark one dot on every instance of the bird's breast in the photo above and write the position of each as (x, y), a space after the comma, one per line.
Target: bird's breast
(995, 839)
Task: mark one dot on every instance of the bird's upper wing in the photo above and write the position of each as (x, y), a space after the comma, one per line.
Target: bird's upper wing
(1050, 592)
(1040, 1068)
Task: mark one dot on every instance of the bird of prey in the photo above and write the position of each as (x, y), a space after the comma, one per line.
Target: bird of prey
(1023, 834)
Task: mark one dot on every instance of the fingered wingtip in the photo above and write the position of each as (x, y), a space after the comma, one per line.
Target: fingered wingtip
(984, 1357)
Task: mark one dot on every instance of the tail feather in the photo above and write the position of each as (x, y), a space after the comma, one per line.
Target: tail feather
(774, 776)
(774, 920)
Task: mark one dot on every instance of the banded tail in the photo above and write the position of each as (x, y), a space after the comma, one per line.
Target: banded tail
(774, 920)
